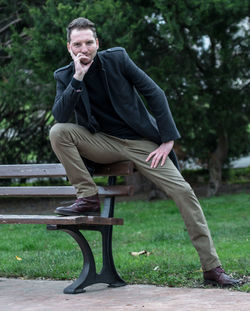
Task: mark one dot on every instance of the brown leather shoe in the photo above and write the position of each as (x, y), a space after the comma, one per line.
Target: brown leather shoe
(217, 276)
(89, 206)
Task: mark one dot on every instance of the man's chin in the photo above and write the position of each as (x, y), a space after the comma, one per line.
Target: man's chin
(85, 61)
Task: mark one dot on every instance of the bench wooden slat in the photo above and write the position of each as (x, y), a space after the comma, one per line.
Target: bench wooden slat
(123, 168)
(58, 220)
(61, 191)
(57, 170)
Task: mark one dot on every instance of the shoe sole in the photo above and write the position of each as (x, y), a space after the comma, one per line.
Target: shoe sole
(77, 214)
(214, 283)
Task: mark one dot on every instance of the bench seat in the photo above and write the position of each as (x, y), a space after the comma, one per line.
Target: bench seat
(58, 220)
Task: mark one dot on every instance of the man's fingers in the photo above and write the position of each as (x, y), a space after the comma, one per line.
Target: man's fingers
(150, 156)
(163, 159)
(155, 161)
(157, 158)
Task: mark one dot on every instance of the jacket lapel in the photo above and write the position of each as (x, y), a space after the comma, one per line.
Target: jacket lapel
(105, 83)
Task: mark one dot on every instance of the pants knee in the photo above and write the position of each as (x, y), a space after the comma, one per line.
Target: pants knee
(183, 190)
(186, 189)
(57, 131)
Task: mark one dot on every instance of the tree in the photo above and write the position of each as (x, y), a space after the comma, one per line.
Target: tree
(210, 40)
(25, 92)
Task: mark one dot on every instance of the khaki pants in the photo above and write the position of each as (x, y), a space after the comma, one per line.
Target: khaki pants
(71, 141)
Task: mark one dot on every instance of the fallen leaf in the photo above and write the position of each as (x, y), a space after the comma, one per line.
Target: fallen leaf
(18, 258)
(140, 253)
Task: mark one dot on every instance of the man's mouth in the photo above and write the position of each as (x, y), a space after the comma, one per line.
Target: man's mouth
(84, 59)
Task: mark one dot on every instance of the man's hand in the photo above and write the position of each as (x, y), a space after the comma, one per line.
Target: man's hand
(80, 67)
(160, 154)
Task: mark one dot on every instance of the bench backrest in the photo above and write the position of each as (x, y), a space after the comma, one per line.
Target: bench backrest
(57, 170)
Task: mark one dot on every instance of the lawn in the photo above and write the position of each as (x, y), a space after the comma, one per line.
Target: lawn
(30, 251)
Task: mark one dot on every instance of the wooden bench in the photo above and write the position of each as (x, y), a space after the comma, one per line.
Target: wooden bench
(73, 224)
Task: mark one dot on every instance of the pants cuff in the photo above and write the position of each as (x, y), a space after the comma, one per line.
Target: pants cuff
(211, 266)
(86, 194)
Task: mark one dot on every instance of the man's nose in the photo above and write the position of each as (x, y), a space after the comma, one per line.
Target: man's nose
(84, 48)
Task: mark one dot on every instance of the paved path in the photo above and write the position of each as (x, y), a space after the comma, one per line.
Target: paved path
(45, 295)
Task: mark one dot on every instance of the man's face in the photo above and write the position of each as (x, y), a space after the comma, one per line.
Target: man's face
(83, 42)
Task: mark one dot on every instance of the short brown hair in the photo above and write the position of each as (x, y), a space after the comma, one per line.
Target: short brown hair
(80, 23)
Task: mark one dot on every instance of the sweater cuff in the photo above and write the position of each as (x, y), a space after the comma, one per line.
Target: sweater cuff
(76, 84)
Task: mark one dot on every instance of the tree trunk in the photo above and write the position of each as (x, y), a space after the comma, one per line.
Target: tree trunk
(215, 164)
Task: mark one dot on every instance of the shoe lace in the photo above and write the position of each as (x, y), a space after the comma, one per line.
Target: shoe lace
(220, 270)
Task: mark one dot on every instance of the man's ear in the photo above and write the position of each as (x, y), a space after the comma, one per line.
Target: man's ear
(68, 47)
(97, 43)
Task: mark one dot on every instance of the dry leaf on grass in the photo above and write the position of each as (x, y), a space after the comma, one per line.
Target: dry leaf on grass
(140, 253)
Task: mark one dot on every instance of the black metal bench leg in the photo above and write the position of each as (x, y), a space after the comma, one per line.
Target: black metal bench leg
(109, 272)
(88, 274)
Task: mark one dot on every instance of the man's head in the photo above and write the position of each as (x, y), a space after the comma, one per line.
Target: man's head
(79, 24)
(82, 40)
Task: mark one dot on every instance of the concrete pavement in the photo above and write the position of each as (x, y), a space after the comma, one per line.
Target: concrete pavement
(46, 295)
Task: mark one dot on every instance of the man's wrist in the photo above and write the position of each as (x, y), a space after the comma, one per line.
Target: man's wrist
(169, 142)
(76, 84)
(77, 77)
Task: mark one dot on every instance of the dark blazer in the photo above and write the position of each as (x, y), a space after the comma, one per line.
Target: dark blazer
(123, 80)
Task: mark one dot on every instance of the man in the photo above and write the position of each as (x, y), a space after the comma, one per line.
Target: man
(112, 124)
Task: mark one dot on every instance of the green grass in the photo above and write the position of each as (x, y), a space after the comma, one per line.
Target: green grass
(155, 226)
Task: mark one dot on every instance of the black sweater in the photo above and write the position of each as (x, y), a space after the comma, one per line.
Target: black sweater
(101, 106)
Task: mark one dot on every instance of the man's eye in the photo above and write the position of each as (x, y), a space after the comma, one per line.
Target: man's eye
(89, 42)
(76, 44)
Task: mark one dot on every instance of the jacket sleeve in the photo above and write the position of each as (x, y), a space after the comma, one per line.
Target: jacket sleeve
(67, 97)
(155, 97)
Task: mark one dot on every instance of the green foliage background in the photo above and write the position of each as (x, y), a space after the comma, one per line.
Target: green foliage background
(197, 51)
